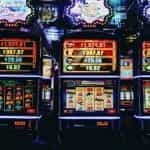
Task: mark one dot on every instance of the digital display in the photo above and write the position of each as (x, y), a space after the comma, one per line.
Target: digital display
(48, 14)
(16, 12)
(88, 96)
(17, 96)
(146, 56)
(146, 95)
(89, 56)
(88, 13)
(18, 55)
(126, 68)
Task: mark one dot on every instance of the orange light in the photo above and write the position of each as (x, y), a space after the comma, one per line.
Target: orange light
(31, 110)
(102, 123)
(19, 123)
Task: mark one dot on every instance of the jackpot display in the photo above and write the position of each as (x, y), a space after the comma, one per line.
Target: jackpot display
(146, 56)
(16, 12)
(88, 96)
(18, 55)
(17, 96)
(89, 56)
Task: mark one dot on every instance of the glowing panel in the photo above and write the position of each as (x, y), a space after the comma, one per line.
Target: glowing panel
(88, 12)
(146, 56)
(15, 12)
(47, 67)
(126, 68)
(88, 96)
(17, 96)
(146, 95)
(89, 56)
(18, 55)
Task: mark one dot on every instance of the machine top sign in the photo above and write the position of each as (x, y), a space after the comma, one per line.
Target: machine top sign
(89, 12)
(15, 12)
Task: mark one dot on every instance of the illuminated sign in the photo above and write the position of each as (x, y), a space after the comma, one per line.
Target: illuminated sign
(48, 14)
(89, 56)
(126, 68)
(18, 55)
(146, 56)
(16, 12)
(17, 96)
(47, 67)
(146, 94)
(146, 12)
(88, 12)
(88, 96)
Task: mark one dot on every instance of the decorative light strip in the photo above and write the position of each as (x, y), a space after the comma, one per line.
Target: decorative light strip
(88, 76)
(20, 117)
(141, 117)
(21, 76)
(142, 76)
(89, 118)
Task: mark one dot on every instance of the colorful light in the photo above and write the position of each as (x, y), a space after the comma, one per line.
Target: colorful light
(53, 34)
(16, 12)
(88, 12)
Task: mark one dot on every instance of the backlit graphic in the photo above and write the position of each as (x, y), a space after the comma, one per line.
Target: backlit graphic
(146, 56)
(88, 12)
(13, 12)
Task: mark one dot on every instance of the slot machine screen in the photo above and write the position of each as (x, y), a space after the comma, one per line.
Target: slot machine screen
(146, 56)
(126, 68)
(86, 56)
(146, 95)
(126, 95)
(86, 96)
(17, 96)
(18, 55)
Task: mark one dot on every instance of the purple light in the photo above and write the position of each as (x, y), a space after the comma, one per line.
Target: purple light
(90, 118)
(20, 117)
(141, 117)
(88, 11)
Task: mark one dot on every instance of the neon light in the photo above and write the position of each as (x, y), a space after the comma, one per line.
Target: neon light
(142, 76)
(141, 117)
(20, 76)
(88, 76)
(15, 12)
(88, 12)
(90, 118)
(21, 117)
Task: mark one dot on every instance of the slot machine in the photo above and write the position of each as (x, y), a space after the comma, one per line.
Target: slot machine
(26, 71)
(89, 82)
(19, 83)
(142, 90)
(142, 72)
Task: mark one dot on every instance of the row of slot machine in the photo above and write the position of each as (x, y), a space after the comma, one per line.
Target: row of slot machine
(85, 60)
